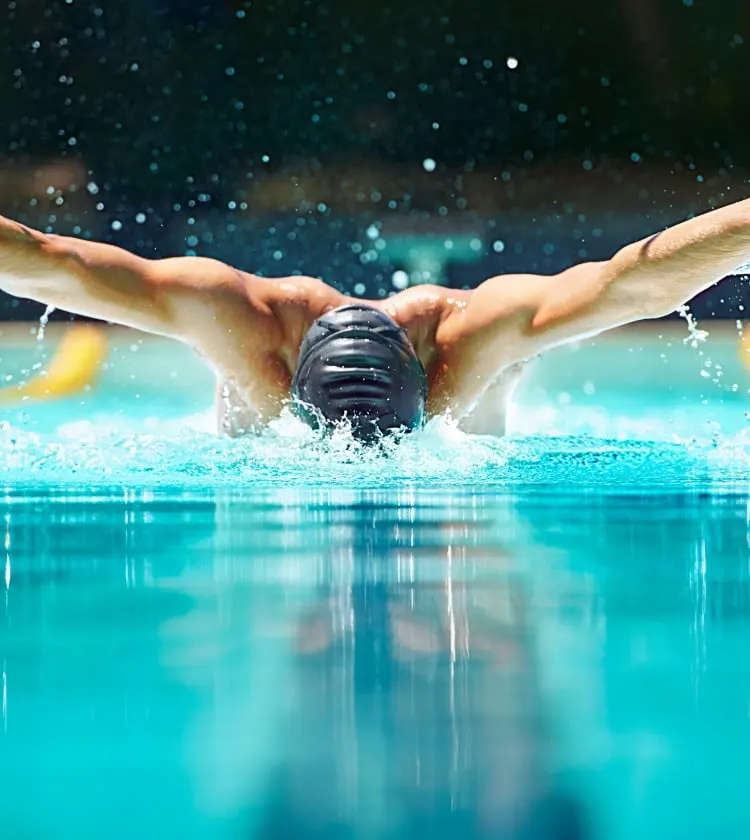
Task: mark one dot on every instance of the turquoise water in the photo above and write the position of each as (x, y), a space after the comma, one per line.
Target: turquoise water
(538, 637)
(374, 664)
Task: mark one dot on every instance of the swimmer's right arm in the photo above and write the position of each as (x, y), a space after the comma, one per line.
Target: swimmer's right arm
(182, 297)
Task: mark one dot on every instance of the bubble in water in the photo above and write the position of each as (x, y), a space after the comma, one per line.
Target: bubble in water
(429, 164)
(511, 62)
(116, 225)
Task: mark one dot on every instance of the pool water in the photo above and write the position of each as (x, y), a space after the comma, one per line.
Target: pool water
(374, 664)
(539, 637)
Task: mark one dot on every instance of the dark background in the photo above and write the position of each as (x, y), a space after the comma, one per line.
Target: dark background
(274, 135)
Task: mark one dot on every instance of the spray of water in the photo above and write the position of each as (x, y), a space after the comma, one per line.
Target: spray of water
(568, 451)
(43, 321)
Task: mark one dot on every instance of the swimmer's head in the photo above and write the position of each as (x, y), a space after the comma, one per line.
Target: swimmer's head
(357, 365)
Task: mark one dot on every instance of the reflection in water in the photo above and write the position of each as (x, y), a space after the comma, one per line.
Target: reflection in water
(415, 706)
(337, 664)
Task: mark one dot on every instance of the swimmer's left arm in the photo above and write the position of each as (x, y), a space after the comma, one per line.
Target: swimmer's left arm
(523, 315)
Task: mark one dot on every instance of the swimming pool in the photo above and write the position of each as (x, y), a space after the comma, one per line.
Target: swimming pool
(543, 636)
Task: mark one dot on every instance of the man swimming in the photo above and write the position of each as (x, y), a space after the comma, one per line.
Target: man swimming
(381, 365)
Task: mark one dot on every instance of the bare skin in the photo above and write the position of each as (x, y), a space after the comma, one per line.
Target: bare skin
(473, 344)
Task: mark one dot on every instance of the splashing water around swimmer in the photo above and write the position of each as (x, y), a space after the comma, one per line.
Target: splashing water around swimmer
(587, 449)
(131, 435)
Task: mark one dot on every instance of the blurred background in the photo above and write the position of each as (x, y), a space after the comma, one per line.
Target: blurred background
(375, 145)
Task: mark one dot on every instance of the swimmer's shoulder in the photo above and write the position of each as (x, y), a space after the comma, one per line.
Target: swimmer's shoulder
(294, 302)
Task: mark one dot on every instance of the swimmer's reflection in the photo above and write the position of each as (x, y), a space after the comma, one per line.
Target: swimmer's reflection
(415, 706)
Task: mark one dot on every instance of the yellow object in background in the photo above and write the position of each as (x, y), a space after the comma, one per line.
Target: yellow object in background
(745, 351)
(74, 366)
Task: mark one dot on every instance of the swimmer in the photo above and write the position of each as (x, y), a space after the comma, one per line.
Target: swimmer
(381, 365)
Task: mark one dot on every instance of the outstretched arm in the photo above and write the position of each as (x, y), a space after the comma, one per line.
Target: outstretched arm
(511, 319)
(179, 297)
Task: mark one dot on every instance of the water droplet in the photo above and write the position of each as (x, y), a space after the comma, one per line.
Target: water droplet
(43, 321)
(400, 280)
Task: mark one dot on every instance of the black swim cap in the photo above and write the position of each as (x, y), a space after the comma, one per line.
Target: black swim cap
(356, 364)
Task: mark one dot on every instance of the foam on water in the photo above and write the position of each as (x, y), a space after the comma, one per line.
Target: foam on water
(574, 449)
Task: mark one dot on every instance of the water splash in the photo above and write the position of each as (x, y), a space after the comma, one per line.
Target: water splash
(107, 451)
(696, 336)
(43, 321)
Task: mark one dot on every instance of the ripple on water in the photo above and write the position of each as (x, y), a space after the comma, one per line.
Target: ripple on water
(184, 453)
